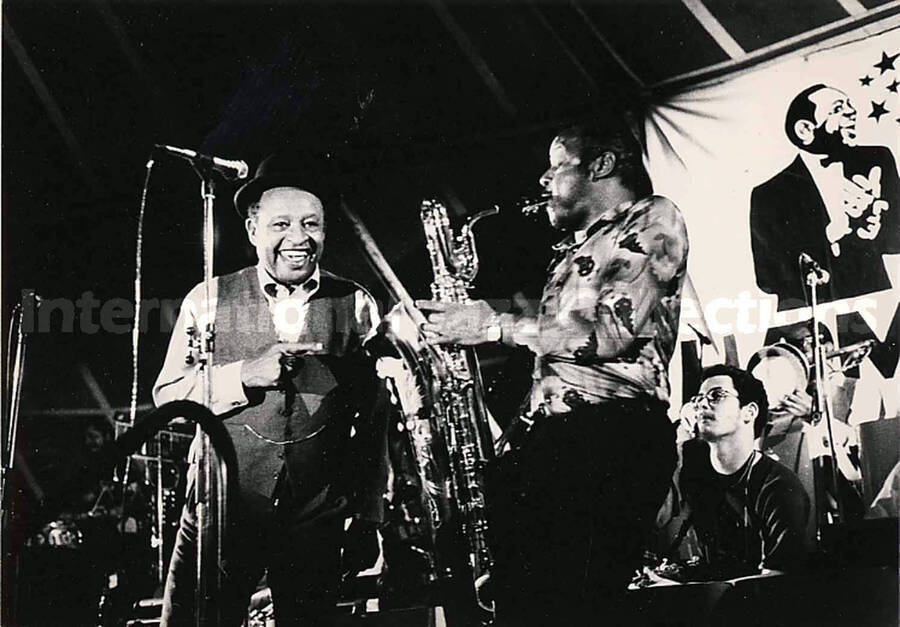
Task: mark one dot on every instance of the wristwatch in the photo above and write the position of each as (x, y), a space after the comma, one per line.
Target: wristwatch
(494, 332)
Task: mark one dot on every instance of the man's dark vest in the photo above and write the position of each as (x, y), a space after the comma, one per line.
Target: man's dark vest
(320, 401)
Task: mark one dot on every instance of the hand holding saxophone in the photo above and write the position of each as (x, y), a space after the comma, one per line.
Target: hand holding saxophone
(465, 323)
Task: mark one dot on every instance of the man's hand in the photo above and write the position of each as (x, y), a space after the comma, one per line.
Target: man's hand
(861, 194)
(360, 548)
(266, 370)
(861, 191)
(797, 404)
(837, 228)
(873, 222)
(456, 323)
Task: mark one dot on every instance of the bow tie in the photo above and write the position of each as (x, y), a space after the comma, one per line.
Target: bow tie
(827, 160)
(277, 290)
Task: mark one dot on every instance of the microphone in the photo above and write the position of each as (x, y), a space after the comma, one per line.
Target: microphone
(810, 266)
(228, 167)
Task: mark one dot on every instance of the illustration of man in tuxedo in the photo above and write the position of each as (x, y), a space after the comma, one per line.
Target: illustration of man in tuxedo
(837, 202)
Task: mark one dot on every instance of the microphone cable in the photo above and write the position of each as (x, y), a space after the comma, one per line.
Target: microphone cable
(136, 327)
(138, 265)
(15, 322)
(7, 381)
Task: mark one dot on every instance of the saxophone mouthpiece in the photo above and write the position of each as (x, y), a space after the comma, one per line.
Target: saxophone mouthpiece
(534, 206)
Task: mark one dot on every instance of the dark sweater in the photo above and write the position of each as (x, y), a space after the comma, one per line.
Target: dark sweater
(755, 517)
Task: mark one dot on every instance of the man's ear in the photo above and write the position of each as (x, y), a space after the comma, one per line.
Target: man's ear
(250, 225)
(749, 412)
(805, 130)
(602, 166)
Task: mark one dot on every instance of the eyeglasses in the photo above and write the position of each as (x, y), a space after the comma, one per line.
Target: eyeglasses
(713, 397)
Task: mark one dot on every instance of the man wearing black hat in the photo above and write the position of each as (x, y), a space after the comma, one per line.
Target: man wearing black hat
(290, 380)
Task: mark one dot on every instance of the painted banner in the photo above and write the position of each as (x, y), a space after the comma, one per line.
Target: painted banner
(788, 164)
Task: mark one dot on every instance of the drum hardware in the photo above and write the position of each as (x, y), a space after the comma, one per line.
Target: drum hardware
(782, 368)
(164, 458)
(61, 534)
(225, 479)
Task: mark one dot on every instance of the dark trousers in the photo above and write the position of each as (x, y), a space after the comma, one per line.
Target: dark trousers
(301, 559)
(572, 507)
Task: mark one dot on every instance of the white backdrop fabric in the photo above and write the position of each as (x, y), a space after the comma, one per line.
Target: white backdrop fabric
(707, 149)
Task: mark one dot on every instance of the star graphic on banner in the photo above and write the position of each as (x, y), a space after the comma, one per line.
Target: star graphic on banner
(893, 86)
(878, 110)
(886, 63)
(865, 81)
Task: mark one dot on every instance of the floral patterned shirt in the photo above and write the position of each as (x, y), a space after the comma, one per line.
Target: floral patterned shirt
(608, 317)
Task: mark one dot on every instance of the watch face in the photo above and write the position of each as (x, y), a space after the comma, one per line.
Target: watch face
(494, 333)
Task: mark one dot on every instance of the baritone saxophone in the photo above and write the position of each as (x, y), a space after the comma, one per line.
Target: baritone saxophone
(446, 417)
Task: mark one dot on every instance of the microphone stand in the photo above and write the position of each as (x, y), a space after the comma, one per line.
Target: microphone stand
(822, 409)
(211, 497)
(13, 392)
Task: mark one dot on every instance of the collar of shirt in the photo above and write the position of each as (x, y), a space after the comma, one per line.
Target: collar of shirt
(275, 291)
(577, 238)
(818, 163)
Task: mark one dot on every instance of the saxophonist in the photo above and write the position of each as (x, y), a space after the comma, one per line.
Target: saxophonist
(571, 506)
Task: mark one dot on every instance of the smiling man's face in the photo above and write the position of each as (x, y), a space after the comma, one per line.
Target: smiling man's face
(835, 119)
(288, 231)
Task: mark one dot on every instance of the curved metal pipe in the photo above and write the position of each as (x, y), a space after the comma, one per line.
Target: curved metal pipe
(227, 473)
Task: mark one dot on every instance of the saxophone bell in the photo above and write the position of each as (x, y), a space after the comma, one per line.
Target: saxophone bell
(484, 595)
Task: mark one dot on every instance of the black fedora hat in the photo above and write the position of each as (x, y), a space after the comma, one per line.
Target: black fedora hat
(310, 172)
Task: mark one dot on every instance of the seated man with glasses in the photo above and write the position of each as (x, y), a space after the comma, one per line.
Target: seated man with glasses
(748, 512)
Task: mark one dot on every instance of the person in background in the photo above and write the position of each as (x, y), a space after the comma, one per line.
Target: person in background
(800, 442)
(749, 512)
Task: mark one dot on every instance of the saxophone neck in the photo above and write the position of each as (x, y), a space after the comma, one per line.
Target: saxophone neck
(468, 228)
(454, 258)
(467, 241)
